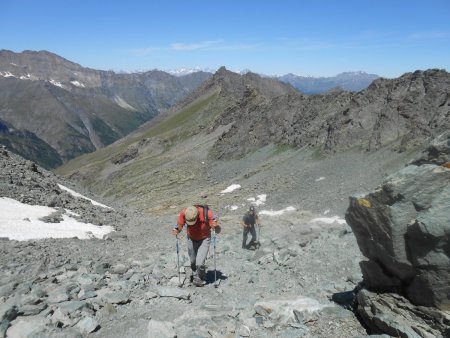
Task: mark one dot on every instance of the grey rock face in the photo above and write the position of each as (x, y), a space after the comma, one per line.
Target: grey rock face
(403, 229)
(28, 183)
(389, 112)
(396, 316)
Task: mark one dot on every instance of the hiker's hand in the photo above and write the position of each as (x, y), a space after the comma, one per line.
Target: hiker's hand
(175, 231)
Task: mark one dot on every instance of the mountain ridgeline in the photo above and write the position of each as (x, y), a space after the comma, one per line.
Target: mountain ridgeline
(401, 112)
(232, 120)
(350, 81)
(72, 110)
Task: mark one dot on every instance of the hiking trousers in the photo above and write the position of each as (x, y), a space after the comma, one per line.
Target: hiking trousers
(198, 251)
(251, 229)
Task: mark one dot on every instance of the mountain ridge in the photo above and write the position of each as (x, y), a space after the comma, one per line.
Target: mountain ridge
(76, 109)
(388, 110)
(350, 81)
(198, 142)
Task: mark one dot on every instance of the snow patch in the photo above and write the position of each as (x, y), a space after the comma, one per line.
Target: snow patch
(124, 104)
(7, 74)
(319, 179)
(329, 220)
(56, 83)
(71, 213)
(74, 193)
(259, 200)
(186, 71)
(277, 212)
(21, 222)
(231, 188)
(232, 207)
(326, 211)
(77, 84)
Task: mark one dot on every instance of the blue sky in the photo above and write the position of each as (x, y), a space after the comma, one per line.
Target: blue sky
(318, 38)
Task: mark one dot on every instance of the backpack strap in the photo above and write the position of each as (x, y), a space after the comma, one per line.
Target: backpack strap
(205, 212)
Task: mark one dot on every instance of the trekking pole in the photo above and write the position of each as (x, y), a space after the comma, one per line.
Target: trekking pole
(178, 259)
(215, 268)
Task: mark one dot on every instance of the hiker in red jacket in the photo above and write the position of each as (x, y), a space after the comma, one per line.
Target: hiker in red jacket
(199, 221)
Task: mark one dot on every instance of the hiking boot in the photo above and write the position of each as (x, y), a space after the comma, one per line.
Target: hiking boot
(197, 281)
(202, 272)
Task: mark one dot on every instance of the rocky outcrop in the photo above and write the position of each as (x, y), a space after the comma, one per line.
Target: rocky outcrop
(403, 228)
(402, 113)
(395, 315)
(26, 182)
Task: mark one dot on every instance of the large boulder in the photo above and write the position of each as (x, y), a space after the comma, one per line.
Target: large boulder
(393, 314)
(403, 228)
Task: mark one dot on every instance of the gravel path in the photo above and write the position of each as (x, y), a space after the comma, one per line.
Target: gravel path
(119, 285)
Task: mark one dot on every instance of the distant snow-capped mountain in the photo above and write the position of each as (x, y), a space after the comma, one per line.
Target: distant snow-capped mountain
(186, 71)
(351, 81)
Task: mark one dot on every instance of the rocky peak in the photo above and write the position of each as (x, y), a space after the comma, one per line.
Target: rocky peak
(402, 113)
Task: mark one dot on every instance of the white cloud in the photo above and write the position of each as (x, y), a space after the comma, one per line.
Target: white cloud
(214, 45)
(429, 35)
(143, 51)
(195, 46)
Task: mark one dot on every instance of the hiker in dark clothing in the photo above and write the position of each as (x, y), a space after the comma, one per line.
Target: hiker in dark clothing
(248, 222)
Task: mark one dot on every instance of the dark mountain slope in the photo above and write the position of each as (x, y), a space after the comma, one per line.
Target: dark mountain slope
(76, 109)
(66, 121)
(28, 145)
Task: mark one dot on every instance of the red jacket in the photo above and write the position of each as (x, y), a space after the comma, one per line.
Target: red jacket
(200, 230)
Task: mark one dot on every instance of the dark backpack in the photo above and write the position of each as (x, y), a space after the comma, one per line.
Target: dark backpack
(249, 218)
(205, 211)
